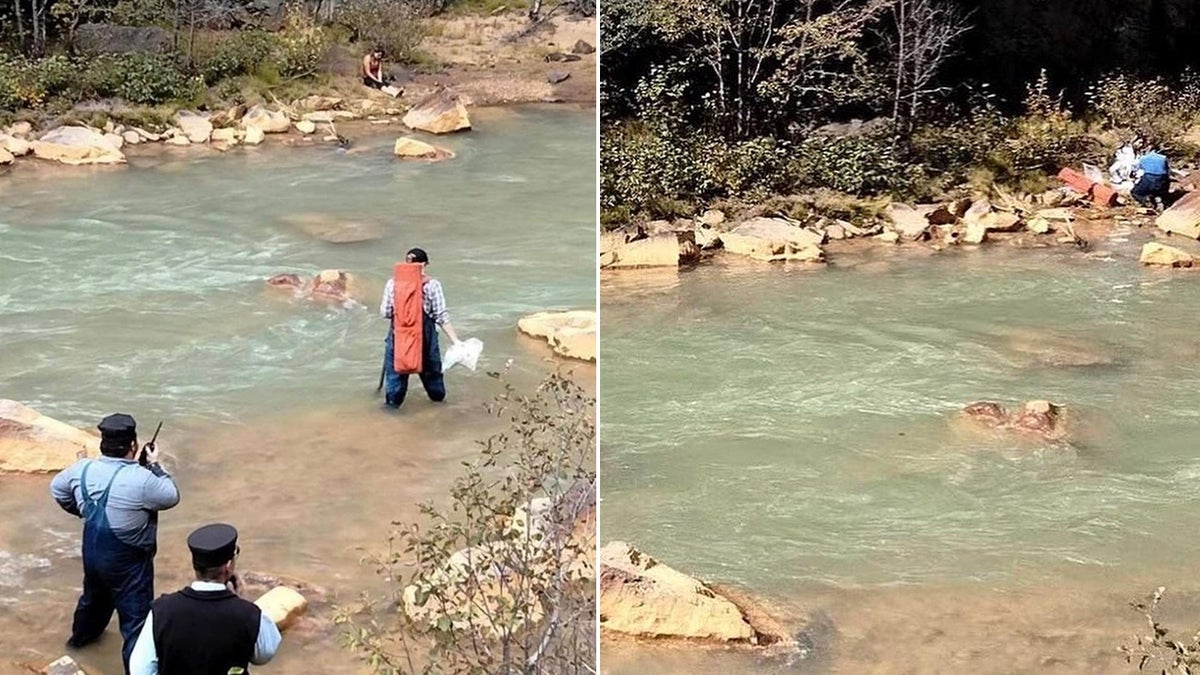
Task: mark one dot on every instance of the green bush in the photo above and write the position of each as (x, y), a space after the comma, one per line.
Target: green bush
(138, 78)
(859, 165)
(301, 45)
(394, 25)
(240, 54)
(31, 84)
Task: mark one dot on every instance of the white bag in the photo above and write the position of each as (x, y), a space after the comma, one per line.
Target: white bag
(466, 352)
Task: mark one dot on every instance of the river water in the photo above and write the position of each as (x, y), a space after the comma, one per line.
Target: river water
(141, 289)
(791, 431)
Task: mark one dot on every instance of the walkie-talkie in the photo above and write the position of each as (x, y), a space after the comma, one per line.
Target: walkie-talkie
(142, 456)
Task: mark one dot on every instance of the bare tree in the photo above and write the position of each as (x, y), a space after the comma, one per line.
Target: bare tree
(923, 35)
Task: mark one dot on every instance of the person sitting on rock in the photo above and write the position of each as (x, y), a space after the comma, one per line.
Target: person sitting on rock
(372, 70)
(1155, 181)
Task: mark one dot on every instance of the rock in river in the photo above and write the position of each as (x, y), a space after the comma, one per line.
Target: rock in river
(31, 442)
(75, 146)
(1183, 217)
(1041, 418)
(773, 240)
(195, 126)
(441, 112)
(570, 334)
(1154, 253)
(635, 248)
(642, 597)
(332, 285)
(269, 121)
(411, 148)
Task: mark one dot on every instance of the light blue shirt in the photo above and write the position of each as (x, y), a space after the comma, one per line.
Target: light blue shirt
(1154, 164)
(144, 659)
(138, 493)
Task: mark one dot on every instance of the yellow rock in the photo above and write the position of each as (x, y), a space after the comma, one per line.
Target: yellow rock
(306, 127)
(76, 145)
(283, 605)
(1154, 253)
(570, 334)
(31, 442)
(441, 112)
(412, 148)
(254, 136)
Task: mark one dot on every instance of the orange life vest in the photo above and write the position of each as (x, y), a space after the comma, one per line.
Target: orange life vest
(408, 304)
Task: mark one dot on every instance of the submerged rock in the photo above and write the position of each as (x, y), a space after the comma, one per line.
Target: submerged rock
(1038, 417)
(31, 442)
(441, 112)
(773, 240)
(642, 597)
(411, 148)
(283, 605)
(329, 285)
(76, 146)
(570, 334)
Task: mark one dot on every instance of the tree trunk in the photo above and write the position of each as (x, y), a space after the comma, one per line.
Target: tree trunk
(901, 29)
(20, 25)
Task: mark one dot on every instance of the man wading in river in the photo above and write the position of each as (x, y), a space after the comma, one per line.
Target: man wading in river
(206, 628)
(119, 502)
(433, 315)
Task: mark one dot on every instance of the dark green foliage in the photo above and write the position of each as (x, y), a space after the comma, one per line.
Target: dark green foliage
(240, 54)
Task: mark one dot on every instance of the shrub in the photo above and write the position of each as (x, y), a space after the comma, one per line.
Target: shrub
(394, 25)
(240, 54)
(32, 84)
(139, 78)
(501, 580)
(859, 165)
(301, 45)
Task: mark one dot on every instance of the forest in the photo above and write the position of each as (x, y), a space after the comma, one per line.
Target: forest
(710, 100)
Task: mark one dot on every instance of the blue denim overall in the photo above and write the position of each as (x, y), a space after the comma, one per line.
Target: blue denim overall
(396, 386)
(116, 576)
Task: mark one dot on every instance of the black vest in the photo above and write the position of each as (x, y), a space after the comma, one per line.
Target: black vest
(204, 632)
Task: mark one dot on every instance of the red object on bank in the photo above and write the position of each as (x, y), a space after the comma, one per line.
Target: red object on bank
(1099, 192)
(407, 307)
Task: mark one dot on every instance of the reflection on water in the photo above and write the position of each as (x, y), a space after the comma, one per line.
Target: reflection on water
(793, 433)
(142, 290)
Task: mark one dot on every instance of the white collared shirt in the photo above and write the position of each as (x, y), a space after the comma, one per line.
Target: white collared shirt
(144, 659)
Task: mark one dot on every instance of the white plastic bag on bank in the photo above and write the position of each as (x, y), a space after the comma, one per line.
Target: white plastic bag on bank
(466, 352)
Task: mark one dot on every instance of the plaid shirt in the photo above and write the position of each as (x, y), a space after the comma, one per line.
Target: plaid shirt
(434, 300)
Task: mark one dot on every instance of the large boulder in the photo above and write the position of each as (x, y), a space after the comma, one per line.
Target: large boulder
(636, 249)
(6, 157)
(254, 136)
(570, 334)
(773, 239)
(267, 121)
(441, 112)
(641, 597)
(411, 148)
(31, 442)
(195, 126)
(330, 228)
(75, 146)
(1183, 217)
(909, 223)
(1154, 253)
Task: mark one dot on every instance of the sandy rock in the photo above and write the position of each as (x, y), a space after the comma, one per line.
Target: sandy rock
(34, 443)
(316, 102)
(836, 231)
(583, 47)
(225, 135)
(978, 209)
(115, 140)
(178, 140)
(411, 148)
(63, 666)
(269, 121)
(306, 127)
(773, 239)
(17, 147)
(441, 112)
(707, 238)
(254, 136)
(20, 129)
(557, 76)
(976, 233)
(571, 334)
(1154, 253)
(283, 605)
(712, 217)
(6, 157)
(635, 249)
(908, 222)
(76, 146)
(888, 237)
(1000, 222)
(641, 597)
(195, 126)
(1038, 225)
(146, 135)
(132, 137)
(1183, 217)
